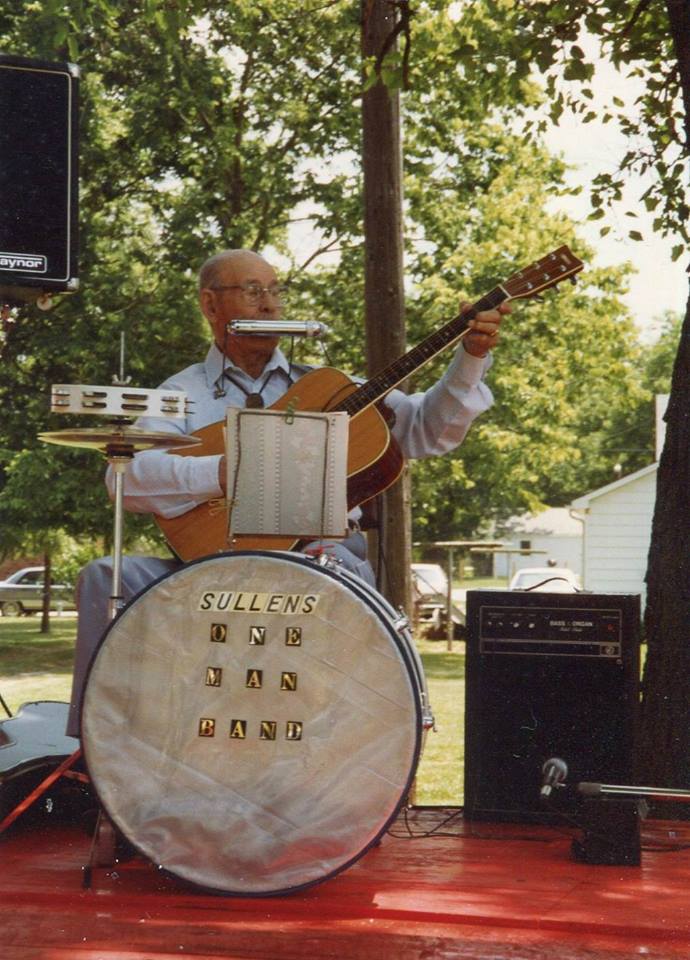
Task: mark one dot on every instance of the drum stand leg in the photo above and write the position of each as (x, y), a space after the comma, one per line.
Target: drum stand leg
(103, 848)
(103, 851)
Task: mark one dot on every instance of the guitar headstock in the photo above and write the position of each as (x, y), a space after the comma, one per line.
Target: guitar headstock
(558, 265)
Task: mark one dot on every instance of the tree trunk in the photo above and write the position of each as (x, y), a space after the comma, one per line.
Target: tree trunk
(679, 19)
(47, 588)
(664, 749)
(383, 280)
(664, 756)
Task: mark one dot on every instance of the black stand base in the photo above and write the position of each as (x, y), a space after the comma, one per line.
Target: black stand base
(611, 832)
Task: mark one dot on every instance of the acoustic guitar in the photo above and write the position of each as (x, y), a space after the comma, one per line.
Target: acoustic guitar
(374, 459)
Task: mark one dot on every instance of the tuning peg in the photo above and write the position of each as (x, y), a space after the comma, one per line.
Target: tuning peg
(573, 280)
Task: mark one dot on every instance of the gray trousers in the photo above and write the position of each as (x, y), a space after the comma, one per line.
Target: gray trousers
(95, 585)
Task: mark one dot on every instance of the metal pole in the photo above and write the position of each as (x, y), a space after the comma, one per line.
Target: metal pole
(620, 790)
(449, 601)
(119, 462)
(122, 357)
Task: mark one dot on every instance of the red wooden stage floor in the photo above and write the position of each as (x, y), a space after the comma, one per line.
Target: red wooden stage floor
(469, 890)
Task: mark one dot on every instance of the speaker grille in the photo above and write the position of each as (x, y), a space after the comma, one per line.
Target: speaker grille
(38, 174)
(547, 675)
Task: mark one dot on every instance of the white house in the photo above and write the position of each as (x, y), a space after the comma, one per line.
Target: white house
(603, 536)
(554, 534)
(617, 522)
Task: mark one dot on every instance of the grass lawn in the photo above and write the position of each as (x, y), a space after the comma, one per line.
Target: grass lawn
(440, 773)
(35, 666)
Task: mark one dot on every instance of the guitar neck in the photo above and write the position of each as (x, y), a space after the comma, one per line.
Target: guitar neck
(376, 388)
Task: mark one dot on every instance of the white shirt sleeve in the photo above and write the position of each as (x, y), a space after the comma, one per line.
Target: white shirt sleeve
(432, 423)
(167, 485)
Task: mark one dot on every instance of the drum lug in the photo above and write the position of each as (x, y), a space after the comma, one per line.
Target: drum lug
(428, 719)
(402, 623)
(326, 560)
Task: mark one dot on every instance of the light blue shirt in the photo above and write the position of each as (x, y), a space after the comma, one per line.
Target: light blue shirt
(426, 424)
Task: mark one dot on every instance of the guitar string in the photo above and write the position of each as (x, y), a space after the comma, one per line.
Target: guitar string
(404, 365)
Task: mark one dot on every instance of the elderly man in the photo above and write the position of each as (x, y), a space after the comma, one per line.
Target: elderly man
(250, 370)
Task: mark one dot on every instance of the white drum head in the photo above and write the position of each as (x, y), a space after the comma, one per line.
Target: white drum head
(252, 723)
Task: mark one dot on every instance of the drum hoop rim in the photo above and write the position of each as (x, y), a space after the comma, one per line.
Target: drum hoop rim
(418, 731)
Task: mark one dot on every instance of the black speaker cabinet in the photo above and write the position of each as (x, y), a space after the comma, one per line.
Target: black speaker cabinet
(38, 178)
(547, 675)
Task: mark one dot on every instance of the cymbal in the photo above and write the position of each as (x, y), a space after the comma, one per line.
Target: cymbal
(100, 438)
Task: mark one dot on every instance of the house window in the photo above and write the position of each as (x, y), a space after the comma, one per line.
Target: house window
(525, 546)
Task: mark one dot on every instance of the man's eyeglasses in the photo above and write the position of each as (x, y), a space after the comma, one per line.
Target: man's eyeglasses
(255, 291)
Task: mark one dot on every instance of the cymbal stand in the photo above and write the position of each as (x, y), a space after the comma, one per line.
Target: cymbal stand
(119, 457)
(119, 441)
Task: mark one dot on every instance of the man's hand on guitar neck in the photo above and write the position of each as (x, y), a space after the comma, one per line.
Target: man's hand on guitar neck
(484, 329)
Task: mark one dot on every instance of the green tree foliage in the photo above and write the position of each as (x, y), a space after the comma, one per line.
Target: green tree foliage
(659, 356)
(477, 209)
(198, 132)
(479, 202)
(563, 371)
(633, 434)
(218, 126)
(552, 42)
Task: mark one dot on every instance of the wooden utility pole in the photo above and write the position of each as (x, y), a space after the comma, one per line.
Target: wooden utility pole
(383, 280)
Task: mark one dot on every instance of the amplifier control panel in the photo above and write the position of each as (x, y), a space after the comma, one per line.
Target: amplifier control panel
(550, 631)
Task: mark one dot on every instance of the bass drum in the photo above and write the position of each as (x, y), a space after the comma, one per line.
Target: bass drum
(252, 722)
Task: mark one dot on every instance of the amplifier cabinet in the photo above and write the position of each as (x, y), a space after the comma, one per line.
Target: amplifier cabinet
(547, 675)
(38, 177)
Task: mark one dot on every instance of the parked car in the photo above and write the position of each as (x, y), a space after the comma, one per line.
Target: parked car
(22, 592)
(545, 580)
(430, 597)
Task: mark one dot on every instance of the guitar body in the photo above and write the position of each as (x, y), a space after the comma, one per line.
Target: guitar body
(374, 462)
